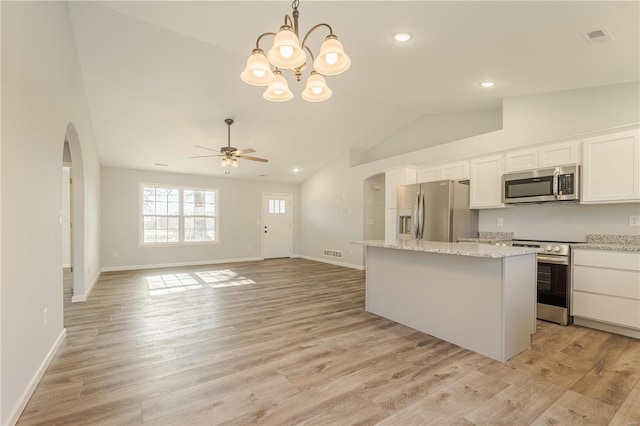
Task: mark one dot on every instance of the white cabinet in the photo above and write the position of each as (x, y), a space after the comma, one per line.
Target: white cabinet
(486, 182)
(551, 155)
(394, 178)
(611, 168)
(452, 171)
(606, 288)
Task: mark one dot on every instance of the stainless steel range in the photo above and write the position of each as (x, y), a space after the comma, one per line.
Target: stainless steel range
(553, 279)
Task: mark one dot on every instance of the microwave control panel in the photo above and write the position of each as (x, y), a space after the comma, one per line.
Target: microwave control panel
(565, 183)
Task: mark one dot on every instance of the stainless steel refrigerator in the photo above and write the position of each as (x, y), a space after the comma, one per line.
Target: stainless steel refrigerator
(435, 211)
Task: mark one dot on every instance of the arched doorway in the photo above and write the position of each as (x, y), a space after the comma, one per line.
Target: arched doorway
(76, 213)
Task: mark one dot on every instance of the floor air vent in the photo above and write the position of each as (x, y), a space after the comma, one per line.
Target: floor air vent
(332, 253)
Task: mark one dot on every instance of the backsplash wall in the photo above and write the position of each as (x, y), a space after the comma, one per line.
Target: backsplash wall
(561, 222)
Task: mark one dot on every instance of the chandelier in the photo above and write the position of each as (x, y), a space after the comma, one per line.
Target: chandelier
(287, 53)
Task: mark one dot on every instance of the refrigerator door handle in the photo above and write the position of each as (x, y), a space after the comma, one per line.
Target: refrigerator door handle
(421, 215)
(415, 225)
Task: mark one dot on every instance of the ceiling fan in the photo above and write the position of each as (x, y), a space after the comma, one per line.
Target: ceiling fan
(228, 153)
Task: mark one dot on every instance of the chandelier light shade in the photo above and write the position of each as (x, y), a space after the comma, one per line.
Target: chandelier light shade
(258, 71)
(332, 60)
(316, 89)
(278, 90)
(287, 53)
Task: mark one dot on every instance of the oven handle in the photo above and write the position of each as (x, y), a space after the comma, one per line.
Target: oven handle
(556, 260)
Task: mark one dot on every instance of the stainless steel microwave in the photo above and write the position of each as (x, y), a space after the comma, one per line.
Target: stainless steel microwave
(542, 185)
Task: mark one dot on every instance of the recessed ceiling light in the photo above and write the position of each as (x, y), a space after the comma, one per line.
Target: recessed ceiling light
(402, 37)
(488, 83)
(295, 170)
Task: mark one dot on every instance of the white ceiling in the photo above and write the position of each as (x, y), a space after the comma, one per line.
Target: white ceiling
(161, 77)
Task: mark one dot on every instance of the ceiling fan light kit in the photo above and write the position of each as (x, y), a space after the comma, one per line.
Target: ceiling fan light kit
(230, 154)
(288, 53)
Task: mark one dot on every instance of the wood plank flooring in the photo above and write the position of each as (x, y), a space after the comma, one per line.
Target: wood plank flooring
(287, 341)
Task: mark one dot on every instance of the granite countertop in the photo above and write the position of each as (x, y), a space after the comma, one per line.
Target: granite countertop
(610, 242)
(459, 249)
(488, 237)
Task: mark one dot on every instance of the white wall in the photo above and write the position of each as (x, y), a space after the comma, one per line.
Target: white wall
(561, 222)
(42, 93)
(527, 120)
(434, 129)
(240, 209)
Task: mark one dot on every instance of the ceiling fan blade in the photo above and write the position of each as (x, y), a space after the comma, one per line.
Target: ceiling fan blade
(244, 151)
(204, 147)
(246, 157)
(211, 155)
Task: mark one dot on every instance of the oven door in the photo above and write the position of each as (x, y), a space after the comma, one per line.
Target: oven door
(553, 288)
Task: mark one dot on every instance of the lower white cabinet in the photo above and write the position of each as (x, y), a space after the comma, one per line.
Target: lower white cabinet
(606, 287)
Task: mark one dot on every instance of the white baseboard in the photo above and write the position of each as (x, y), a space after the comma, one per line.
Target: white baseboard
(332, 262)
(85, 296)
(14, 414)
(178, 264)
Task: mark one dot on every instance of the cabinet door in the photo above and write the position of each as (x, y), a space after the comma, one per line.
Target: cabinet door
(429, 174)
(611, 168)
(559, 154)
(486, 182)
(455, 171)
(516, 161)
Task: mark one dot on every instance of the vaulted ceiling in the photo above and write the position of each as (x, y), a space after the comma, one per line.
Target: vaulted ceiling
(161, 77)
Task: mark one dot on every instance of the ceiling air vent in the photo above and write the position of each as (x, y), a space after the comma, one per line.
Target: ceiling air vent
(600, 36)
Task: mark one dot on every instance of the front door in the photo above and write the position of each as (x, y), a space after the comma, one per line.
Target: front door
(276, 225)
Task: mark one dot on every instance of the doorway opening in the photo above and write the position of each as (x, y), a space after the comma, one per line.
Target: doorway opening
(374, 209)
(277, 233)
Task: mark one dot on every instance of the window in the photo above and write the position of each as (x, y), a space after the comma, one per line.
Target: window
(178, 215)
(277, 207)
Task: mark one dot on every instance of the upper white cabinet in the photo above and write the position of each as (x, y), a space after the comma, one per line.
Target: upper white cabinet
(453, 171)
(394, 178)
(611, 168)
(486, 182)
(551, 155)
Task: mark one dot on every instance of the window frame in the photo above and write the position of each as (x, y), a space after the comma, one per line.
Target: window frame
(181, 217)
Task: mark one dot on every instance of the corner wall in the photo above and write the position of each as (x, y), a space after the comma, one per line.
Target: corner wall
(240, 210)
(42, 92)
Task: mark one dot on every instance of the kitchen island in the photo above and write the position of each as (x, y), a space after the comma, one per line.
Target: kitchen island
(477, 296)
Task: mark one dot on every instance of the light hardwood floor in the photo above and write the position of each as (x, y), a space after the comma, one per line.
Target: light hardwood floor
(287, 341)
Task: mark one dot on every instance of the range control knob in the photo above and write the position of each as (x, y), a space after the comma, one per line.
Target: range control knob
(548, 248)
(556, 249)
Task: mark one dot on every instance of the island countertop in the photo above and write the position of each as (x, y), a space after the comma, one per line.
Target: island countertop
(460, 249)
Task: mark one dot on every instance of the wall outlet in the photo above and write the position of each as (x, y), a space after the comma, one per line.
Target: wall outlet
(499, 221)
(115, 253)
(634, 220)
(45, 317)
